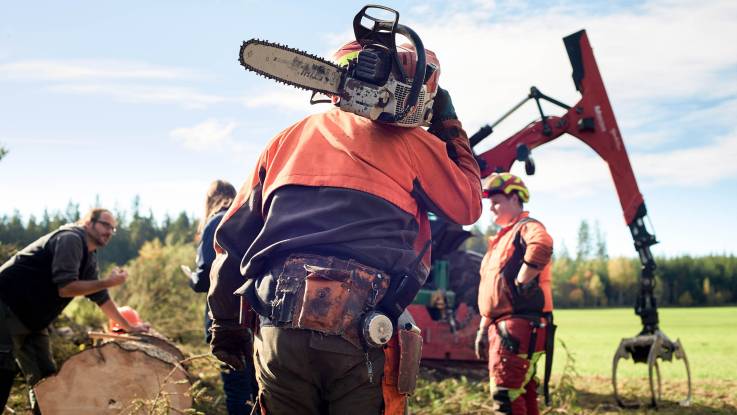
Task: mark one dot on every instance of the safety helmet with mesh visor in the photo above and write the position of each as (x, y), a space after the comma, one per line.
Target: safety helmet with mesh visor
(407, 57)
(506, 183)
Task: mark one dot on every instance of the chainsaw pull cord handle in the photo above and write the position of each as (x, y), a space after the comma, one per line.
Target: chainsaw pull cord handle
(420, 67)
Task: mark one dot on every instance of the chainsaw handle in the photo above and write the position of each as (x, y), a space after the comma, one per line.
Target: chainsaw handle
(383, 30)
(420, 67)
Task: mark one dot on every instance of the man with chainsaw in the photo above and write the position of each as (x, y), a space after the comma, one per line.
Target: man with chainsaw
(39, 281)
(515, 298)
(327, 243)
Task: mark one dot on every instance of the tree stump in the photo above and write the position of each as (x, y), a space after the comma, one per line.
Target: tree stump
(118, 377)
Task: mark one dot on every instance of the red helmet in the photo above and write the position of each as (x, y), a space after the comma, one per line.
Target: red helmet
(130, 315)
(408, 58)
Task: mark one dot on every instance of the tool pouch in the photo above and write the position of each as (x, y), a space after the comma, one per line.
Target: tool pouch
(325, 301)
(288, 284)
(327, 294)
(509, 343)
(410, 353)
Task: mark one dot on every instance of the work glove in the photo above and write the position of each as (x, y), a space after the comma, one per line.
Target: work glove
(527, 289)
(481, 345)
(230, 344)
(442, 110)
(442, 107)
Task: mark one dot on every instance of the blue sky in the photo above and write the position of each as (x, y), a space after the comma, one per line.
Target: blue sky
(111, 100)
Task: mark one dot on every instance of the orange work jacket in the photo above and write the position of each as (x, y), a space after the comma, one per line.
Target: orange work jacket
(494, 299)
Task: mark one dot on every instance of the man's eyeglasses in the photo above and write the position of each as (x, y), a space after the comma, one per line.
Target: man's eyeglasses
(109, 226)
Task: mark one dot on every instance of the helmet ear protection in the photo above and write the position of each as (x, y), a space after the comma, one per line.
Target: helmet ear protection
(393, 75)
(506, 183)
(385, 82)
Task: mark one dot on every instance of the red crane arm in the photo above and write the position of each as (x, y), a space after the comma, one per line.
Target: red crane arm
(592, 121)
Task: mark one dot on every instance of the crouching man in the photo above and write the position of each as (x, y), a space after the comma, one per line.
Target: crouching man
(39, 281)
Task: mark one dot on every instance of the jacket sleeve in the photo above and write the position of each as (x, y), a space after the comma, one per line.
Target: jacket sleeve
(67, 258)
(240, 226)
(539, 244)
(448, 179)
(200, 279)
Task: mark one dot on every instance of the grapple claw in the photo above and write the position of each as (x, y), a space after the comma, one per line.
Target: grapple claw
(649, 348)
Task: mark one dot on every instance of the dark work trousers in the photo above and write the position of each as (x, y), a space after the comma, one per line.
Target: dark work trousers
(512, 372)
(308, 373)
(32, 352)
(240, 389)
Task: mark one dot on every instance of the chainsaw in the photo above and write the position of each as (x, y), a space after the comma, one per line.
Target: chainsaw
(373, 85)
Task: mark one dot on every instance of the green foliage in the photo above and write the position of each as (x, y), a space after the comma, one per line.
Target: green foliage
(451, 396)
(84, 312)
(159, 291)
(7, 251)
(584, 246)
(3, 152)
(564, 394)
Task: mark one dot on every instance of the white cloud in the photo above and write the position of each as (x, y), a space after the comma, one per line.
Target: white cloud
(72, 70)
(569, 173)
(136, 94)
(575, 172)
(660, 51)
(125, 81)
(207, 135)
(701, 166)
(657, 60)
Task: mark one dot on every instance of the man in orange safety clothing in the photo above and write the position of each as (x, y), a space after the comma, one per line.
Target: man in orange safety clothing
(515, 298)
(331, 226)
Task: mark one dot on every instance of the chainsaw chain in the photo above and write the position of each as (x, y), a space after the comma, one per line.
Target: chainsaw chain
(287, 48)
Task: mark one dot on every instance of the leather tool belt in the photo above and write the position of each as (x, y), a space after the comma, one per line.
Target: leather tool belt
(326, 294)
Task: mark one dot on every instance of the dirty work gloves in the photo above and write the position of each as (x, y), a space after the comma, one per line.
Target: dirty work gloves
(444, 123)
(442, 110)
(481, 345)
(230, 344)
(442, 107)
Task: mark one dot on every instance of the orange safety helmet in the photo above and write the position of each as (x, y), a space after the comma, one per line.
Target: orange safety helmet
(129, 314)
(506, 183)
(407, 57)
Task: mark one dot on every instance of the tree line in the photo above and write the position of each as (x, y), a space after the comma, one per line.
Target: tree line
(587, 277)
(135, 228)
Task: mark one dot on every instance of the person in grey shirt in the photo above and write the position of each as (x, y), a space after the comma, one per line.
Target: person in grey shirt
(38, 282)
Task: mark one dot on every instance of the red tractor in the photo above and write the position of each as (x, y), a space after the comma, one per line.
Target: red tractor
(446, 308)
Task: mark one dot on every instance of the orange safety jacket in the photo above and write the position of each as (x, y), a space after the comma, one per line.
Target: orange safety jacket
(356, 161)
(495, 297)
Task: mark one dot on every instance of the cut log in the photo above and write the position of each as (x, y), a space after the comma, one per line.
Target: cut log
(118, 377)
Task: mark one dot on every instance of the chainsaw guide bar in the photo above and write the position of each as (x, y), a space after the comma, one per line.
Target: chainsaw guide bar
(291, 66)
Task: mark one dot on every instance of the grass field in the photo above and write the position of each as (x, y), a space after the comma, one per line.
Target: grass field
(708, 335)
